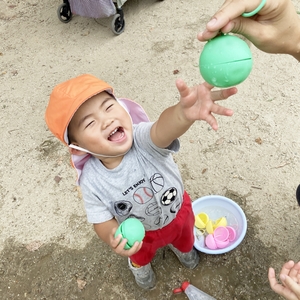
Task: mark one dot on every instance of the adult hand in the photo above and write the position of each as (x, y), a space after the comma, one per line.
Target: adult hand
(290, 278)
(274, 29)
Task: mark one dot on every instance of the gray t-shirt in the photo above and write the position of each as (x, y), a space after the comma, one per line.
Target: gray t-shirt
(146, 185)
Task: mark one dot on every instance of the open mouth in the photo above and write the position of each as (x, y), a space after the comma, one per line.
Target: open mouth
(116, 134)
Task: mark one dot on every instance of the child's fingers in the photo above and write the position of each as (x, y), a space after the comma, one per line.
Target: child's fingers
(135, 248)
(182, 88)
(129, 252)
(220, 110)
(223, 94)
(229, 92)
(115, 241)
(211, 120)
(119, 248)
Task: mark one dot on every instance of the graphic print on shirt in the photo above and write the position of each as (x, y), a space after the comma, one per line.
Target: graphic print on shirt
(144, 197)
(168, 196)
(153, 209)
(123, 208)
(157, 182)
(175, 206)
(161, 220)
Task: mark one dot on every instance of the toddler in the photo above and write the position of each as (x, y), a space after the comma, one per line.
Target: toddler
(125, 165)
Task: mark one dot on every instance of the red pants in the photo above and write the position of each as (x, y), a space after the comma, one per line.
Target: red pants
(179, 233)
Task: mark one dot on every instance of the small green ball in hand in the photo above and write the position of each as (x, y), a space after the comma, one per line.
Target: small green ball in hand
(225, 61)
(131, 229)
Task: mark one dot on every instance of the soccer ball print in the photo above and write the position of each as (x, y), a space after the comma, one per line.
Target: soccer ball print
(168, 196)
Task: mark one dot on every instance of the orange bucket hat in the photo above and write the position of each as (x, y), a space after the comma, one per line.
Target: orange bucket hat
(68, 96)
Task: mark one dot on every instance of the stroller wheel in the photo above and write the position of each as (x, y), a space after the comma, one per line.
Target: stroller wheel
(64, 13)
(118, 24)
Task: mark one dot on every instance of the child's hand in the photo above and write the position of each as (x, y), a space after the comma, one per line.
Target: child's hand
(118, 247)
(290, 278)
(198, 102)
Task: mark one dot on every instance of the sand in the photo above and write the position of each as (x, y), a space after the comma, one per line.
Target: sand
(48, 250)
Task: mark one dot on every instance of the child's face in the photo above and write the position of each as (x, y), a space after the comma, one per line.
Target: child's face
(101, 125)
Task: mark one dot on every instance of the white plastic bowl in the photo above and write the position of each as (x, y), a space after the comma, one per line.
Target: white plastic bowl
(216, 207)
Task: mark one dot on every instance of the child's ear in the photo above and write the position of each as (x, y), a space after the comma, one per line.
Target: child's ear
(76, 152)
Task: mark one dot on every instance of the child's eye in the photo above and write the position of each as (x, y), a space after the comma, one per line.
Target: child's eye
(110, 106)
(90, 123)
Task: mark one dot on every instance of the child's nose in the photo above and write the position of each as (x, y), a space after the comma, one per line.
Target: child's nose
(108, 122)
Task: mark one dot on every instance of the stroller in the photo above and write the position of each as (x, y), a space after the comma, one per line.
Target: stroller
(94, 9)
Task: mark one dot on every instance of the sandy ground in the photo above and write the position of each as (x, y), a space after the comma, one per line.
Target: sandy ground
(48, 250)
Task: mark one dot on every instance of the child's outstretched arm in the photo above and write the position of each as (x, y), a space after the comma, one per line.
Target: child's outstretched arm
(196, 103)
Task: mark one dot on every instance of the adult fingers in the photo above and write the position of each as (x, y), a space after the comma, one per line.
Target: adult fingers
(274, 284)
(283, 290)
(297, 268)
(272, 279)
(287, 267)
(230, 10)
(244, 26)
(294, 271)
(292, 290)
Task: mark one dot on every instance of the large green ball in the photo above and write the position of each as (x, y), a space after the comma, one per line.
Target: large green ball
(226, 60)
